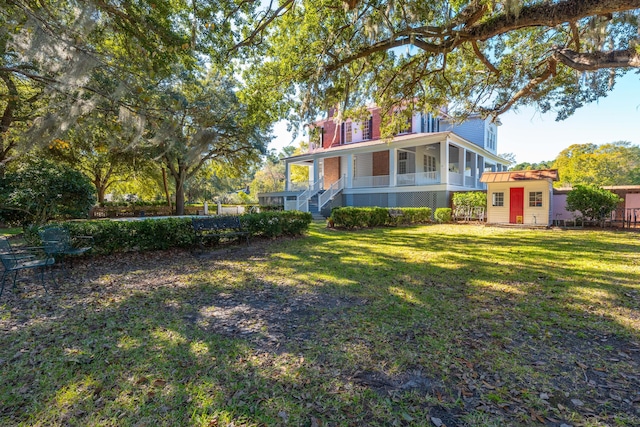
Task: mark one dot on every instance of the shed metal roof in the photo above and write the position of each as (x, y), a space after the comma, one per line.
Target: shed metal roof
(509, 176)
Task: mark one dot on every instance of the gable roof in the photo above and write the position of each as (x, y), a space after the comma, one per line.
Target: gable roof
(509, 176)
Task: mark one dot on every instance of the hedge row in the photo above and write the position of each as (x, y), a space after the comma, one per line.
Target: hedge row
(350, 217)
(164, 233)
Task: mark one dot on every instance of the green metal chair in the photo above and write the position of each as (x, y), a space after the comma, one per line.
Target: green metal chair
(15, 260)
(57, 242)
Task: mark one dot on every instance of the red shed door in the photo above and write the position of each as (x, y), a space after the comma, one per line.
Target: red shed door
(516, 205)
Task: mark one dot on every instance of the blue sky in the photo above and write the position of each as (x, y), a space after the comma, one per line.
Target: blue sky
(534, 137)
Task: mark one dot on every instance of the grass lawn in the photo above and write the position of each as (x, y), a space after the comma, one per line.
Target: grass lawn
(10, 231)
(459, 325)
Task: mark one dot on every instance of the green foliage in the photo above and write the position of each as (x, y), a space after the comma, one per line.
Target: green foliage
(40, 191)
(442, 215)
(592, 202)
(501, 55)
(471, 199)
(617, 163)
(274, 224)
(165, 233)
(526, 166)
(353, 217)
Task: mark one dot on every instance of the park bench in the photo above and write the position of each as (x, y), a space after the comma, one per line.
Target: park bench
(14, 260)
(216, 228)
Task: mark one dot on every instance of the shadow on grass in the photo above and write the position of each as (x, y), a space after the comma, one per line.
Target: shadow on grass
(473, 326)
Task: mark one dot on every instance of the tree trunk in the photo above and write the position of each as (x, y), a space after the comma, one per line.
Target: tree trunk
(166, 187)
(180, 181)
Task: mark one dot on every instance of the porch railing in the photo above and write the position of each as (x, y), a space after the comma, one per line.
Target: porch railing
(456, 178)
(303, 198)
(420, 178)
(299, 186)
(370, 181)
(334, 189)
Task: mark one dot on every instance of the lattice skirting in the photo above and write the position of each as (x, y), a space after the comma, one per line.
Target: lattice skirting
(429, 199)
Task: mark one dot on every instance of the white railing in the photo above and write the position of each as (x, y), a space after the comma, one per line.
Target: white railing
(470, 181)
(371, 181)
(456, 178)
(303, 198)
(290, 205)
(334, 189)
(420, 178)
(299, 186)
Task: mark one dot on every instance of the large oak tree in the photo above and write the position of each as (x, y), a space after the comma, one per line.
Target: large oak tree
(474, 55)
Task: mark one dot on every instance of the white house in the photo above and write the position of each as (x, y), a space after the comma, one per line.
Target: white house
(420, 167)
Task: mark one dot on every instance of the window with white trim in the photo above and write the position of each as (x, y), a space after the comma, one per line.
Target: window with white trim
(497, 199)
(348, 132)
(429, 163)
(366, 130)
(491, 138)
(535, 199)
(402, 162)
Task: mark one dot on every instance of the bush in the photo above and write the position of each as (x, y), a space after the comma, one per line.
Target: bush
(443, 215)
(274, 224)
(592, 202)
(41, 191)
(351, 217)
(470, 199)
(164, 233)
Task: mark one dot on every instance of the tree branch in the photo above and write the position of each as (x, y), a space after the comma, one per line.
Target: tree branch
(445, 39)
(598, 60)
(548, 72)
(483, 58)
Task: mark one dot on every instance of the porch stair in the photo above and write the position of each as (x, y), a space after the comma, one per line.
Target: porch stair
(314, 209)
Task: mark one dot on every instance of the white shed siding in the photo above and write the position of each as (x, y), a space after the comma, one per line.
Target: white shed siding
(500, 214)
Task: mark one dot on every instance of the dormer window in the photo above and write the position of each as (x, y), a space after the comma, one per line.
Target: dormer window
(348, 132)
(366, 129)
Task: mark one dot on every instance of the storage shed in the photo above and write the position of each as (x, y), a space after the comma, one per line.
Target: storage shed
(520, 197)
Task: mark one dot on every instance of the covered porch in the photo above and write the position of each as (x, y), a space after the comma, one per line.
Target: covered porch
(396, 165)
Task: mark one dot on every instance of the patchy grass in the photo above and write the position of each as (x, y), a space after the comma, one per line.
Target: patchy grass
(470, 325)
(10, 231)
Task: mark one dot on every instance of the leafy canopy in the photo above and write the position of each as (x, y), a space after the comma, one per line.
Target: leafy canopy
(474, 55)
(616, 163)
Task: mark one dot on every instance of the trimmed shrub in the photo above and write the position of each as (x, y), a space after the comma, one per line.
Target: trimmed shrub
(164, 233)
(443, 215)
(351, 217)
(274, 224)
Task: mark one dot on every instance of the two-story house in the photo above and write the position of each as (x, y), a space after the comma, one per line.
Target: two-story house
(352, 166)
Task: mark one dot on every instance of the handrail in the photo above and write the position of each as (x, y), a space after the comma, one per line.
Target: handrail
(334, 189)
(304, 197)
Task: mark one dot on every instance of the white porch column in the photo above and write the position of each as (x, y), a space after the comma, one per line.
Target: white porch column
(444, 162)
(315, 171)
(349, 183)
(287, 175)
(462, 161)
(474, 168)
(393, 177)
